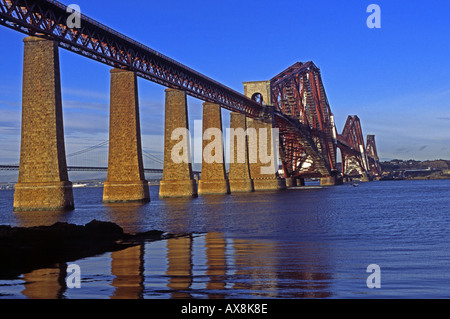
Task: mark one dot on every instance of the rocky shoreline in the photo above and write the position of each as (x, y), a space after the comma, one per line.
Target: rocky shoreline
(23, 250)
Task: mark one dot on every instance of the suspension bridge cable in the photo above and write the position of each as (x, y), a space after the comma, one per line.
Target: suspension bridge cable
(102, 144)
(152, 157)
(89, 149)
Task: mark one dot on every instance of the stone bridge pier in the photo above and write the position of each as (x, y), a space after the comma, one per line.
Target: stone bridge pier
(43, 182)
(178, 179)
(126, 179)
(213, 178)
(239, 173)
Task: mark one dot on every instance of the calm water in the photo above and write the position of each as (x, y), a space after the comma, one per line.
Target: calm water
(299, 243)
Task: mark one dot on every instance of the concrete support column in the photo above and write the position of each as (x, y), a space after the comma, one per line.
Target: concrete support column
(263, 170)
(43, 182)
(331, 180)
(328, 181)
(178, 180)
(213, 178)
(239, 174)
(126, 179)
(365, 177)
(291, 182)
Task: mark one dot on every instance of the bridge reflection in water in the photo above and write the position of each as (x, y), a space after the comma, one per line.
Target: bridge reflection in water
(205, 266)
(212, 265)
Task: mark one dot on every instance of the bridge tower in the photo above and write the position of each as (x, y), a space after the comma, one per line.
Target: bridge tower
(239, 174)
(375, 169)
(353, 150)
(260, 91)
(43, 182)
(178, 179)
(213, 178)
(126, 179)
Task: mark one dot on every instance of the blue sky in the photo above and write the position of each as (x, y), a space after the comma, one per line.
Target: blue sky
(396, 79)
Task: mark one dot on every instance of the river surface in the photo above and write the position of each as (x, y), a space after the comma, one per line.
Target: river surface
(299, 243)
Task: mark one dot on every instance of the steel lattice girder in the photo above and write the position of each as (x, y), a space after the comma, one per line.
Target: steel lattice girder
(372, 153)
(298, 92)
(47, 18)
(351, 143)
(296, 141)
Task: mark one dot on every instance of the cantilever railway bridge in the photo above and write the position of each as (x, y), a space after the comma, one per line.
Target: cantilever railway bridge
(294, 101)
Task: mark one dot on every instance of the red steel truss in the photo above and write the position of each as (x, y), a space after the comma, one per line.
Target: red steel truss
(298, 92)
(372, 153)
(355, 161)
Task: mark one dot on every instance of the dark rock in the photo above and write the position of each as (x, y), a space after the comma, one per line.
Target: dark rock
(104, 229)
(25, 249)
(5, 231)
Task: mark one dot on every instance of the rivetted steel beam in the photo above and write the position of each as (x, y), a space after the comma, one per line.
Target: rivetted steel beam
(48, 19)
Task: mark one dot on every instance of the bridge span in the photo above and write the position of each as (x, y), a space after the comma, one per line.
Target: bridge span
(80, 169)
(293, 104)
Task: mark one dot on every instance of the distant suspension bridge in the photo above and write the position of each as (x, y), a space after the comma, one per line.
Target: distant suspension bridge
(95, 159)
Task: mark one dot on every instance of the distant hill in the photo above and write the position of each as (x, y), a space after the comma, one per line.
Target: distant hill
(412, 169)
